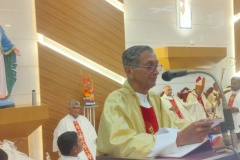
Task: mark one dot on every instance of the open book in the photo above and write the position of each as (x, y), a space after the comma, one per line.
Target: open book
(217, 121)
(184, 150)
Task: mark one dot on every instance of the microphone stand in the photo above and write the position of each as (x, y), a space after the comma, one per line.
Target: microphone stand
(228, 124)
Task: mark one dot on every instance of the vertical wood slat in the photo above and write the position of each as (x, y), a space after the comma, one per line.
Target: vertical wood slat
(94, 29)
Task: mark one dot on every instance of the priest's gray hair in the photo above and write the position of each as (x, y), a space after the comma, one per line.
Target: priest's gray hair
(131, 56)
(73, 103)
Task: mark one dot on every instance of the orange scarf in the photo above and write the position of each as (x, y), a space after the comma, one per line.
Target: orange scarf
(231, 100)
(84, 144)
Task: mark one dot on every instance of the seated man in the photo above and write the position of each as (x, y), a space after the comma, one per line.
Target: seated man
(202, 109)
(131, 117)
(69, 145)
(80, 124)
(174, 104)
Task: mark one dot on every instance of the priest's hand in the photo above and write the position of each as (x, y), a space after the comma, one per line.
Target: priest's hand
(196, 132)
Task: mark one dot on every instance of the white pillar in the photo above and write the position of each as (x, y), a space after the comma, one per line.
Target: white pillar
(35, 144)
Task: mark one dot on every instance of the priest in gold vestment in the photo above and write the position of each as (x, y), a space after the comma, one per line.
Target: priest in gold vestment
(203, 108)
(133, 120)
(175, 105)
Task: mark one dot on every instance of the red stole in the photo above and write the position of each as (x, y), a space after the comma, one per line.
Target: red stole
(231, 100)
(150, 120)
(199, 98)
(174, 104)
(84, 144)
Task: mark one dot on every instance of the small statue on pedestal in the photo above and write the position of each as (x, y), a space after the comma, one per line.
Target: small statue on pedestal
(7, 69)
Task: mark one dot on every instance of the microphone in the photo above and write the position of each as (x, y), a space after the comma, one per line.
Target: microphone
(168, 76)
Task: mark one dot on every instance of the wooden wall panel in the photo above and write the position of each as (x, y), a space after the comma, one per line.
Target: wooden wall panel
(237, 35)
(236, 6)
(94, 29)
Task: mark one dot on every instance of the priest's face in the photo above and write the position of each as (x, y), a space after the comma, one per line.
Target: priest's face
(235, 85)
(144, 74)
(74, 110)
(168, 90)
(198, 92)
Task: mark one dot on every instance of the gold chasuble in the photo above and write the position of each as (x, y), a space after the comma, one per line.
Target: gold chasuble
(122, 131)
(150, 120)
(82, 139)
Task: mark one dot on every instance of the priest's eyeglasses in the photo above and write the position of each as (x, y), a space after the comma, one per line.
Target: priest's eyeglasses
(151, 68)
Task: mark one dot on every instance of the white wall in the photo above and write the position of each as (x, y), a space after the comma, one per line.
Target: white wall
(154, 23)
(20, 15)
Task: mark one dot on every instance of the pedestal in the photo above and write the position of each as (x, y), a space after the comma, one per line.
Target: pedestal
(89, 112)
